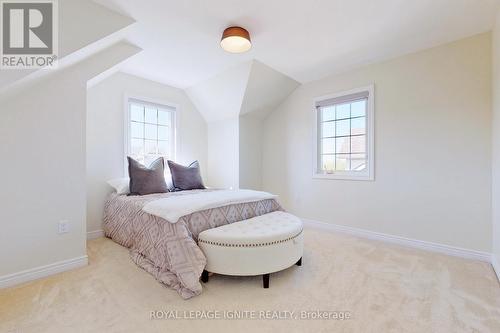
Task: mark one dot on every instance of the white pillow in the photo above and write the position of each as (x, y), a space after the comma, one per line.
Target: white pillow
(121, 185)
(168, 180)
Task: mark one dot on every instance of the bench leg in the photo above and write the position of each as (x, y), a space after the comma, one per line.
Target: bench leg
(299, 263)
(204, 276)
(265, 281)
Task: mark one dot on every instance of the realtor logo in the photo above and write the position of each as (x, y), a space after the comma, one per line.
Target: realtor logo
(29, 34)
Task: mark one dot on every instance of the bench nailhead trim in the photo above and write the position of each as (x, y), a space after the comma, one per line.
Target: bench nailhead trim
(250, 245)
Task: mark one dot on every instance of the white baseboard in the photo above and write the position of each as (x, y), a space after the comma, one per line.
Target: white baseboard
(95, 234)
(42, 271)
(496, 266)
(408, 242)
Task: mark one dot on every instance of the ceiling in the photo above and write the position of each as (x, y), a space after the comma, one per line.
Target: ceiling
(249, 88)
(305, 40)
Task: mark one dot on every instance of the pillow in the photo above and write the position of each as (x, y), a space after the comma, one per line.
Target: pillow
(145, 180)
(186, 178)
(121, 185)
(168, 180)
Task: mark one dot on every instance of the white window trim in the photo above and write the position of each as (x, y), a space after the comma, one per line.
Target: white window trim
(369, 172)
(126, 123)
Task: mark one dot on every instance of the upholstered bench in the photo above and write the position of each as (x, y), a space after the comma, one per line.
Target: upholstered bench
(258, 246)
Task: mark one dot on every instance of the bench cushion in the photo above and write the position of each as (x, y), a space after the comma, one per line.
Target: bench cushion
(262, 230)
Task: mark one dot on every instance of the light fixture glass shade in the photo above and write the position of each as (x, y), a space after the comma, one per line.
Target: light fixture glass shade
(235, 40)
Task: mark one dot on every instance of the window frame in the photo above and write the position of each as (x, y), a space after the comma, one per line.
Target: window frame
(128, 99)
(369, 172)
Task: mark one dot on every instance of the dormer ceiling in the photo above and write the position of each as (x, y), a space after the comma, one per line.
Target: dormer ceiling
(248, 88)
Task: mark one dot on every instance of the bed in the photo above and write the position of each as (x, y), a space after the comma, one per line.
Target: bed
(163, 240)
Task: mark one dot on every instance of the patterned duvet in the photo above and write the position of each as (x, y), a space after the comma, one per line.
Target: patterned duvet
(169, 251)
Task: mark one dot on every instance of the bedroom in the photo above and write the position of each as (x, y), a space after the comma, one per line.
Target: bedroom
(355, 144)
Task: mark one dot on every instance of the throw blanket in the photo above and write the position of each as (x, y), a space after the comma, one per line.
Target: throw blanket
(174, 207)
(169, 251)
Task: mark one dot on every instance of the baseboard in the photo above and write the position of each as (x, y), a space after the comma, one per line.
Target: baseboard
(408, 242)
(42, 271)
(496, 266)
(95, 234)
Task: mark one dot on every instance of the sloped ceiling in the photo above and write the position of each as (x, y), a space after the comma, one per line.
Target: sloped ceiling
(91, 69)
(266, 89)
(85, 28)
(220, 97)
(250, 88)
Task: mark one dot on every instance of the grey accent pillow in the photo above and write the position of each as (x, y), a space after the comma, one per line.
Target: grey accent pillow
(186, 178)
(144, 180)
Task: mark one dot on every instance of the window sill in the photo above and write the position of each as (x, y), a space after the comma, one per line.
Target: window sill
(340, 176)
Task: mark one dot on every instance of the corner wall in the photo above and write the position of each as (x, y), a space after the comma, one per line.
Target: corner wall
(223, 153)
(250, 155)
(432, 149)
(496, 144)
(233, 104)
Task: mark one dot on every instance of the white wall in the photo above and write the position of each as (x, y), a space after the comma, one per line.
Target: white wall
(250, 152)
(43, 166)
(105, 134)
(432, 143)
(496, 142)
(43, 143)
(223, 153)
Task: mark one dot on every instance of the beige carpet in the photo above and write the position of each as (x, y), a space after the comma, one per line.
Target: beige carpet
(385, 288)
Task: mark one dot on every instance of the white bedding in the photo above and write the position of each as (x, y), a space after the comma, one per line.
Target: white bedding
(175, 207)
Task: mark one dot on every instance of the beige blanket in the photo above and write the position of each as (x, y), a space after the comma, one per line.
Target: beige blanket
(169, 250)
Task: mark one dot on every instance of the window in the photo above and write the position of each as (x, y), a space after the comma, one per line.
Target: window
(150, 131)
(344, 135)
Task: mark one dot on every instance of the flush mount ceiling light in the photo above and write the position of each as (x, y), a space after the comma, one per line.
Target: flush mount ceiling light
(235, 40)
